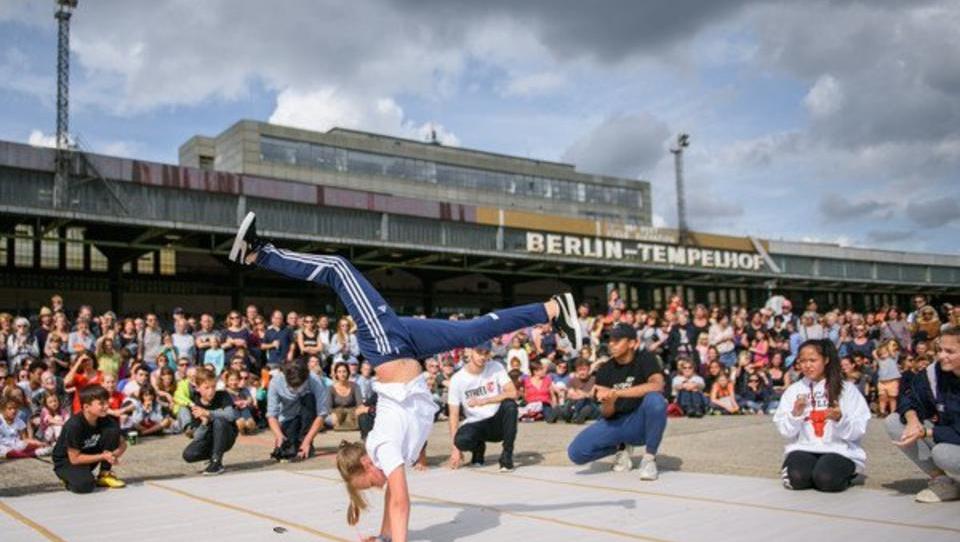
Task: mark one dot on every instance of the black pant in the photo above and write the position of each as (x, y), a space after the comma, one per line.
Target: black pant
(825, 472)
(211, 442)
(365, 422)
(79, 478)
(296, 428)
(500, 427)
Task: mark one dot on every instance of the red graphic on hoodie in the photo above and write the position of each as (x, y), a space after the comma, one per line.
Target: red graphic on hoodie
(819, 420)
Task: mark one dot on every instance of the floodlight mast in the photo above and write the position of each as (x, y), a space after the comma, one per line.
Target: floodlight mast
(683, 234)
(62, 170)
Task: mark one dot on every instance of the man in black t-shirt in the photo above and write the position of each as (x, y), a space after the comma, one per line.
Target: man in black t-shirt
(88, 439)
(634, 412)
(214, 430)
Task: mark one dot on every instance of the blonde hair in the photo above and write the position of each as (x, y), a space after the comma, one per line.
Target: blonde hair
(349, 465)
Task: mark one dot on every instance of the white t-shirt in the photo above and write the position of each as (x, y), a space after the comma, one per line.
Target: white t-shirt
(404, 419)
(465, 386)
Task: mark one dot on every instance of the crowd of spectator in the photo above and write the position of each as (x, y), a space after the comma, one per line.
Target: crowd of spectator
(716, 360)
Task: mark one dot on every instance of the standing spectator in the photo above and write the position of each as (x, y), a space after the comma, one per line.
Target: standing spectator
(235, 336)
(43, 328)
(82, 373)
(888, 376)
(82, 338)
(343, 344)
(721, 338)
(519, 353)
(895, 328)
(630, 390)
(823, 418)
(21, 344)
(89, 438)
(324, 331)
(927, 424)
(129, 339)
(213, 426)
(296, 408)
(488, 399)
(214, 356)
(203, 337)
(308, 339)
(151, 340)
(276, 341)
(183, 341)
(614, 302)
(809, 328)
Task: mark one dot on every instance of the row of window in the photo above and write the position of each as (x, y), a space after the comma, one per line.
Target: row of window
(23, 253)
(313, 155)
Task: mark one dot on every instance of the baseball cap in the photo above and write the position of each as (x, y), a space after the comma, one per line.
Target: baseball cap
(622, 331)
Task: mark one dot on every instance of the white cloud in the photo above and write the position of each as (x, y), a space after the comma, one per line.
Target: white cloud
(825, 97)
(534, 84)
(329, 107)
(39, 139)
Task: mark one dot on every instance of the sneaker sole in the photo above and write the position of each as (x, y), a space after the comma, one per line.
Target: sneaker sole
(241, 233)
(568, 311)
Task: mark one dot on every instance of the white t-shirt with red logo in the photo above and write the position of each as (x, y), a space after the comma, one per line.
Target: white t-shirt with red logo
(465, 386)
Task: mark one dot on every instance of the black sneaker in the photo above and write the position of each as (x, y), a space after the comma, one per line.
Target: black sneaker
(246, 240)
(477, 456)
(506, 465)
(566, 323)
(213, 468)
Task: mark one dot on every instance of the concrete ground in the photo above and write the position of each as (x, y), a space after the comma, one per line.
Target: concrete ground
(741, 445)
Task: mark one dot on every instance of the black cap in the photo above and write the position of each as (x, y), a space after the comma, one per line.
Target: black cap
(623, 331)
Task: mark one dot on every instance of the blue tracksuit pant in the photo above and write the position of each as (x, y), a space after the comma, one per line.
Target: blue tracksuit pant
(382, 335)
(643, 426)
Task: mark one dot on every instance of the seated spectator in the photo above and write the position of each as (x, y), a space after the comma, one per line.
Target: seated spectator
(182, 401)
(347, 412)
(243, 403)
(296, 408)
(927, 425)
(33, 386)
(53, 416)
(21, 345)
(723, 399)
(579, 405)
(537, 393)
(213, 426)
(487, 397)
(141, 377)
(83, 372)
(779, 380)
(688, 389)
(823, 419)
(148, 417)
(753, 398)
(108, 359)
(88, 439)
(343, 344)
(166, 386)
(15, 442)
(364, 380)
(633, 409)
(119, 406)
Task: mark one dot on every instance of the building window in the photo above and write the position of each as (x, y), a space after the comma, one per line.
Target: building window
(50, 250)
(3, 251)
(98, 262)
(75, 249)
(168, 261)
(206, 162)
(145, 264)
(23, 247)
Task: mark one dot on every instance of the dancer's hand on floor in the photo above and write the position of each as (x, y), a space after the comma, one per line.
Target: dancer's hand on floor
(455, 458)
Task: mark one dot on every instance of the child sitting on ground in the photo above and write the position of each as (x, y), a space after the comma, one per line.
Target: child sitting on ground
(243, 404)
(148, 418)
(722, 398)
(15, 443)
(53, 415)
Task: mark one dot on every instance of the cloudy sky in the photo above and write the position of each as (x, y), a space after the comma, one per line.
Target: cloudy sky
(828, 120)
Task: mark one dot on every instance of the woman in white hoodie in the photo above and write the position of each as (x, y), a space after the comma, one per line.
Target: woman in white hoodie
(823, 417)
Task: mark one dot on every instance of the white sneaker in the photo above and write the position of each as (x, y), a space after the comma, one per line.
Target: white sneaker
(648, 468)
(44, 451)
(622, 462)
(941, 489)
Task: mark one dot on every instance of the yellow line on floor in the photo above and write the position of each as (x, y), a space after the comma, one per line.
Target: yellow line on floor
(254, 513)
(46, 533)
(508, 512)
(687, 498)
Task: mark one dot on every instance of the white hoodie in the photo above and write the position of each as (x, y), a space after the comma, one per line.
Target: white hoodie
(841, 437)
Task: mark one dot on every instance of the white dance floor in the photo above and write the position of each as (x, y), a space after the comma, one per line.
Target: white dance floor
(532, 504)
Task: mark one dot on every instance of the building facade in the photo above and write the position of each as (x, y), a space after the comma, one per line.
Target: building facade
(437, 229)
